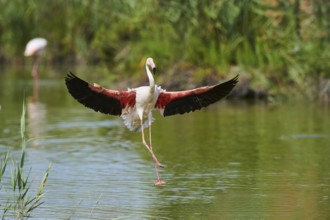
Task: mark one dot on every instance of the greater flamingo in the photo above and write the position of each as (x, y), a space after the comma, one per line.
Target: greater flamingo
(135, 105)
(35, 48)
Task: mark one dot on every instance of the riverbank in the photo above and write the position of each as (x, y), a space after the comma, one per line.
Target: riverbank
(251, 85)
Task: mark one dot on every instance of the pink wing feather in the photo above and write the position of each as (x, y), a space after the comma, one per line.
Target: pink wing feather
(186, 101)
(98, 98)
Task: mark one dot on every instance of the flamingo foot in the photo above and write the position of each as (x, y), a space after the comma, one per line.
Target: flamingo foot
(159, 182)
(160, 165)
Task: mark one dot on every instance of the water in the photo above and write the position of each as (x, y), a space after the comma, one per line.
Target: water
(229, 161)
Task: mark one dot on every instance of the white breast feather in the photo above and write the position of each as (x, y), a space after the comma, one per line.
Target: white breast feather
(130, 115)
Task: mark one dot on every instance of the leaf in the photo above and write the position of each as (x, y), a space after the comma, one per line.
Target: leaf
(3, 165)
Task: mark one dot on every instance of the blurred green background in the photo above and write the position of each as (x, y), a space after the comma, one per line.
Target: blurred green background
(235, 160)
(275, 42)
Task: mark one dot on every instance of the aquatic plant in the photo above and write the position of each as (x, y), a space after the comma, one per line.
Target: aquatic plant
(20, 204)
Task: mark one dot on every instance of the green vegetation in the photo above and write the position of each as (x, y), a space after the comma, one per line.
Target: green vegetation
(271, 40)
(20, 204)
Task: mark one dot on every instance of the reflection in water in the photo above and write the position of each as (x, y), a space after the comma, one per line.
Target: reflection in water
(304, 136)
(226, 162)
(36, 115)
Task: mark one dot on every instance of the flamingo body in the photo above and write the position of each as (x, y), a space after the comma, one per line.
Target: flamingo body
(35, 46)
(135, 106)
(143, 103)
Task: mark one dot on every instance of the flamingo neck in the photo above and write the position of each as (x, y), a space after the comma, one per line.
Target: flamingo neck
(151, 78)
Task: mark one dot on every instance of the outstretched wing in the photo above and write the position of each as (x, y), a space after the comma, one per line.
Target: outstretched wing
(186, 101)
(98, 98)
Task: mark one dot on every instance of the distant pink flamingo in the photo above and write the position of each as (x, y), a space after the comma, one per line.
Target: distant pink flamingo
(135, 106)
(35, 48)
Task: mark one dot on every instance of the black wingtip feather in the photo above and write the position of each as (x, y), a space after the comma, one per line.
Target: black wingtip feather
(198, 101)
(80, 90)
(70, 76)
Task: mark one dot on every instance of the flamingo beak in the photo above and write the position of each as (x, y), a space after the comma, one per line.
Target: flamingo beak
(154, 70)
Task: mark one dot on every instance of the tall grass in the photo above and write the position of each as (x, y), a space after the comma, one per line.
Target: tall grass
(20, 204)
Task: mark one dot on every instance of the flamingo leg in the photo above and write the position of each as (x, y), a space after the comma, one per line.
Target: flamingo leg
(35, 71)
(149, 119)
(149, 148)
(159, 181)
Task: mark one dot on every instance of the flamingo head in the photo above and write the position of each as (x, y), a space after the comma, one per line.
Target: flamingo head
(150, 62)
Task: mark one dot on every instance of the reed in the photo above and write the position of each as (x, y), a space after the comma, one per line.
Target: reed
(20, 204)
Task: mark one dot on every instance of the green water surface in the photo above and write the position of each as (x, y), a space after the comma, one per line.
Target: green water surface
(233, 160)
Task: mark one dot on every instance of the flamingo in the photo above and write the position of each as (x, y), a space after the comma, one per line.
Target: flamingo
(135, 106)
(35, 48)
